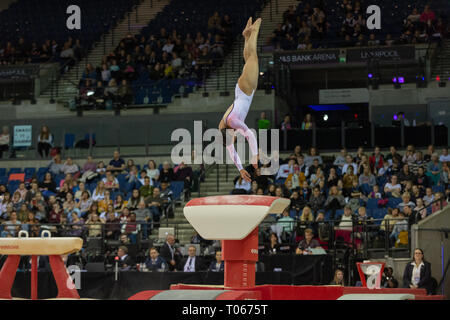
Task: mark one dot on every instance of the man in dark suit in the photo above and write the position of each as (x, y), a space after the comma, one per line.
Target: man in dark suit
(167, 252)
(155, 262)
(192, 263)
(126, 263)
(417, 274)
(217, 265)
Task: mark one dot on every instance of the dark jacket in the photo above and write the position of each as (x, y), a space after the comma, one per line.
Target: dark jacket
(158, 264)
(126, 264)
(213, 266)
(425, 276)
(198, 264)
(165, 254)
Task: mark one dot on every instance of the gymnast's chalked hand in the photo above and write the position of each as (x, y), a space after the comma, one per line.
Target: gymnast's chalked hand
(245, 175)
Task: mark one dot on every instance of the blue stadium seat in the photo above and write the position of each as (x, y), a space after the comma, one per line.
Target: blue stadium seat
(14, 170)
(372, 203)
(177, 188)
(437, 189)
(29, 172)
(2, 172)
(69, 141)
(339, 213)
(393, 202)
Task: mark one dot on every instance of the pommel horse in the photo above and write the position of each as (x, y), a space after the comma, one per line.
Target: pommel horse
(44, 246)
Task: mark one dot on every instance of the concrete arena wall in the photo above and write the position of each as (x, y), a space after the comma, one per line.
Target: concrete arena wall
(430, 242)
(129, 130)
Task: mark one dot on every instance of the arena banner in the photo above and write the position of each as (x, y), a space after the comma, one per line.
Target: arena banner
(381, 53)
(307, 57)
(13, 72)
(351, 95)
(22, 136)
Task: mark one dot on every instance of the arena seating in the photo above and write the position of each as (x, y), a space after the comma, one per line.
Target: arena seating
(24, 18)
(393, 15)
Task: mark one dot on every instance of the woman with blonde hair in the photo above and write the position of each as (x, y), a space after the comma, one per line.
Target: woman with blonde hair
(307, 215)
(338, 279)
(45, 142)
(99, 192)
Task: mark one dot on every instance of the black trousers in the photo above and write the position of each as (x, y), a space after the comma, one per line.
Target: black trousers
(44, 148)
(3, 148)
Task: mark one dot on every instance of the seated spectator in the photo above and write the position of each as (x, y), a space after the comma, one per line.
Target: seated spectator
(89, 73)
(125, 94)
(99, 192)
(348, 179)
(406, 201)
(367, 178)
(338, 279)
(144, 217)
(417, 274)
(307, 217)
(285, 225)
(184, 173)
(340, 160)
(305, 246)
(104, 203)
(388, 41)
(112, 226)
(167, 173)
(393, 154)
(155, 204)
(400, 225)
(349, 163)
(218, 265)
(263, 122)
(45, 142)
(307, 123)
(154, 262)
(419, 211)
(335, 201)
(445, 156)
(4, 140)
(393, 188)
(389, 221)
(69, 167)
(111, 182)
(131, 228)
(286, 124)
(84, 204)
(146, 190)
(388, 280)
(429, 197)
(316, 201)
(439, 205)
(126, 263)
(312, 155)
(241, 186)
(274, 246)
(346, 221)
(117, 164)
(317, 176)
(134, 200)
(112, 90)
(152, 171)
(12, 226)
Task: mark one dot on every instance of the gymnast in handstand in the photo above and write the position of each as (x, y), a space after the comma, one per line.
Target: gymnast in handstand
(234, 117)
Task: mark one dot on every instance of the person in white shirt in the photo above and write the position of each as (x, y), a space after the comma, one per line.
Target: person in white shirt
(286, 169)
(4, 141)
(393, 187)
(192, 263)
(445, 157)
(349, 162)
(417, 274)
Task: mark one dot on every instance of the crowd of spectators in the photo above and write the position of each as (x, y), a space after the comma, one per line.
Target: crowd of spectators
(308, 27)
(345, 190)
(94, 200)
(24, 52)
(161, 55)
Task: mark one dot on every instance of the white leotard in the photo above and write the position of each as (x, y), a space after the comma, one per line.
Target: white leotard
(236, 120)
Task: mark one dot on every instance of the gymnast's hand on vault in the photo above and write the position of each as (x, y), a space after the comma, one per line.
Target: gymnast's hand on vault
(245, 175)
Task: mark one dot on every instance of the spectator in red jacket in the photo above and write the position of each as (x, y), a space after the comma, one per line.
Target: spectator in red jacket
(376, 159)
(427, 15)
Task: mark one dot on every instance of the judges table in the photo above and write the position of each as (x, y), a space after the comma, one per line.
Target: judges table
(102, 285)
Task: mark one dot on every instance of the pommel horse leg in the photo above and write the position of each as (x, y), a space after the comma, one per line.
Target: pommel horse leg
(7, 276)
(66, 288)
(240, 257)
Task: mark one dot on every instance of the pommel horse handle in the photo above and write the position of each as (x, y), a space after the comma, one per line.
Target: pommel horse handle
(234, 219)
(25, 246)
